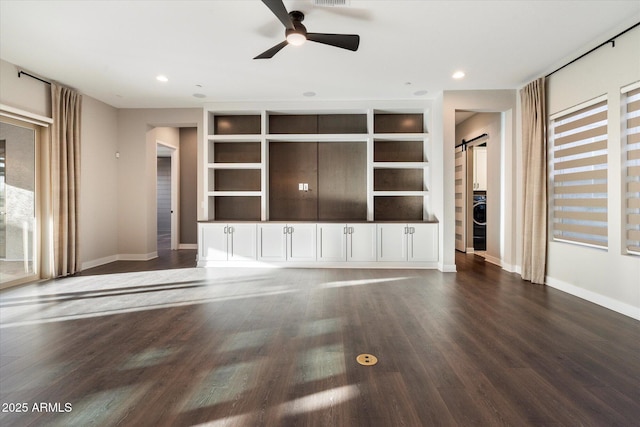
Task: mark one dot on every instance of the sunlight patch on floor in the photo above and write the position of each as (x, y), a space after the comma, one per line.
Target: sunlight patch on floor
(320, 363)
(246, 339)
(321, 400)
(223, 384)
(361, 282)
(104, 407)
(147, 358)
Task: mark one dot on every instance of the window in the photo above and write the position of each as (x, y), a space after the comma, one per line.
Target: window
(578, 168)
(631, 149)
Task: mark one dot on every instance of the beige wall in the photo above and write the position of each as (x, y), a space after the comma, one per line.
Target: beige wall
(607, 277)
(24, 93)
(98, 183)
(188, 186)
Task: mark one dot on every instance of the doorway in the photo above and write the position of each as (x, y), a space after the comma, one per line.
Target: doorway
(478, 137)
(167, 196)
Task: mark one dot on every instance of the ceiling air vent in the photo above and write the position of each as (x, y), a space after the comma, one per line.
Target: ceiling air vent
(331, 2)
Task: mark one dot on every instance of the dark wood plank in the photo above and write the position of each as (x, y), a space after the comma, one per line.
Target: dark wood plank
(237, 179)
(342, 181)
(398, 123)
(236, 152)
(292, 163)
(398, 208)
(185, 346)
(398, 151)
(237, 125)
(398, 180)
(238, 208)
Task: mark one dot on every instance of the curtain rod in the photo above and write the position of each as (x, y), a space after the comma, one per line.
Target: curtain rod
(612, 40)
(20, 72)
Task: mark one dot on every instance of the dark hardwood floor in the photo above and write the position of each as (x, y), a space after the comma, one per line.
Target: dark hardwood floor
(146, 344)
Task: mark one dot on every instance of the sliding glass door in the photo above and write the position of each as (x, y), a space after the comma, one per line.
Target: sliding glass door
(18, 204)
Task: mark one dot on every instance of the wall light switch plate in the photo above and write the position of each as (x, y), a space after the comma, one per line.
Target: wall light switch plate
(300, 186)
(306, 186)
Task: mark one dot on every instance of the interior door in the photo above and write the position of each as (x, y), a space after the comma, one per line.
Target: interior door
(461, 199)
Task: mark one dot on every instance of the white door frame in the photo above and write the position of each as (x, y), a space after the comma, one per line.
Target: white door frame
(175, 192)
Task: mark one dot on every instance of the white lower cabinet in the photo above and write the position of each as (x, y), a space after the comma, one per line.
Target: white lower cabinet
(407, 242)
(346, 242)
(317, 244)
(287, 242)
(227, 242)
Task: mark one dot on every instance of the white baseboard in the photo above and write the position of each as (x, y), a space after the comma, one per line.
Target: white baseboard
(98, 262)
(447, 268)
(138, 257)
(119, 257)
(493, 260)
(610, 303)
(188, 246)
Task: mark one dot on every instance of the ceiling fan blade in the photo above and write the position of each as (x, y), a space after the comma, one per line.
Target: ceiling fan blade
(345, 41)
(270, 52)
(278, 9)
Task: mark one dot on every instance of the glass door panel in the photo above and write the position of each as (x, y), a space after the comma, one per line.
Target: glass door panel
(18, 261)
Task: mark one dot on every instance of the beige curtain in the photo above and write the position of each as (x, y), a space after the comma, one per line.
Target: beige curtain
(534, 181)
(65, 178)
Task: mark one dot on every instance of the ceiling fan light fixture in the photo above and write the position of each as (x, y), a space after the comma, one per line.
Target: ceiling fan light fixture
(296, 38)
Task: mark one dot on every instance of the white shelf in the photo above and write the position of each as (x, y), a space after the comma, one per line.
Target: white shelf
(399, 136)
(400, 193)
(235, 138)
(234, 193)
(235, 165)
(329, 137)
(399, 165)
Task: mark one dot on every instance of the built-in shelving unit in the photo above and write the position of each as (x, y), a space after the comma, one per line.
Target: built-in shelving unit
(362, 165)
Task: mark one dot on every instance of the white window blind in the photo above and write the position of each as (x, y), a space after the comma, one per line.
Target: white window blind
(578, 168)
(631, 134)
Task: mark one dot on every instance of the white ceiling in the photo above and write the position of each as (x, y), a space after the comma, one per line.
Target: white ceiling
(113, 50)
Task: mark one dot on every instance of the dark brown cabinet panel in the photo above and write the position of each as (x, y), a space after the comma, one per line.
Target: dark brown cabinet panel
(398, 180)
(236, 152)
(236, 125)
(342, 181)
(398, 123)
(237, 180)
(397, 208)
(317, 123)
(292, 163)
(398, 151)
(342, 123)
(293, 124)
(237, 208)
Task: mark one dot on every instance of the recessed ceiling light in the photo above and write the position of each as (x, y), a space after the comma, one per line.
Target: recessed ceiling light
(162, 78)
(309, 94)
(199, 95)
(420, 92)
(458, 75)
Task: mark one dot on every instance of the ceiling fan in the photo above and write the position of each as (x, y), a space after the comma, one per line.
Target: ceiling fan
(296, 33)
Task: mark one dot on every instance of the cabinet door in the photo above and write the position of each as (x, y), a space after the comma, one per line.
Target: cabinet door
(480, 168)
(241, 242)
(213, 242)
(361, 241)
(332, 242)
(423, 242)
(302, 242)
(392, 242)
(272, 242)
